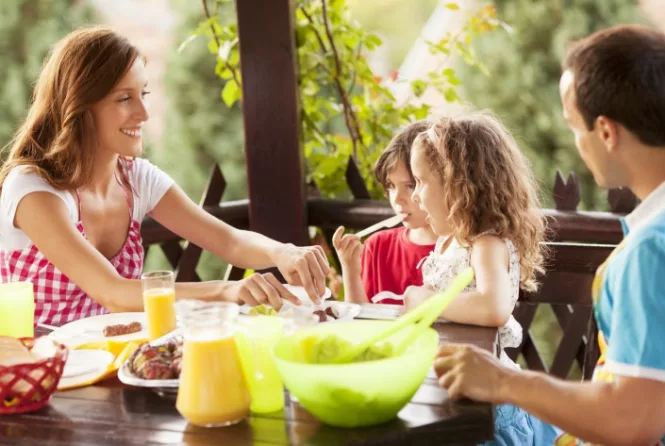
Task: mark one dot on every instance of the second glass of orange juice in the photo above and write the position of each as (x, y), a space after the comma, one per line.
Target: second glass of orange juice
(159, 302)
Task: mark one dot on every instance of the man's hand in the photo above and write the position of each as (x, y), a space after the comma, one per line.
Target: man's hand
(468, 371)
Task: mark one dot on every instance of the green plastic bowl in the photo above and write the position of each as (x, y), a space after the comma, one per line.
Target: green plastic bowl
(359, 394)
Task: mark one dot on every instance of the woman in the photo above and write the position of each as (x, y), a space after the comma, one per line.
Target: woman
(74, 195)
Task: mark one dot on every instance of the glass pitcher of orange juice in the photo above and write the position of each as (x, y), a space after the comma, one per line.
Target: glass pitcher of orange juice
(212, 391)
(159, 302)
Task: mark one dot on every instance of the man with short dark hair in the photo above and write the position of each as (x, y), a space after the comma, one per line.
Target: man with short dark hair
(613, 94)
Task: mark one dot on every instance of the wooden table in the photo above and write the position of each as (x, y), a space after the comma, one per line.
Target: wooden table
(111, 413)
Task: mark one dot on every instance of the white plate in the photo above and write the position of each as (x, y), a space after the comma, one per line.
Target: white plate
(167, 385)
(381, 311)
(82, 362)
(301, 294)
(91, 329)
(347, 311)
(126, 377)
(81, 374)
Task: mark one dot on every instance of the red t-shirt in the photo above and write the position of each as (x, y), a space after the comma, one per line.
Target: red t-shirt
(389, 263)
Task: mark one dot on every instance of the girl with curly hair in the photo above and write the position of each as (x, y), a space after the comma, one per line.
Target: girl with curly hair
(476, 186)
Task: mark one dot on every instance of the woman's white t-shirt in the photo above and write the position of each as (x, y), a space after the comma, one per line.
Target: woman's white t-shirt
(149, 184)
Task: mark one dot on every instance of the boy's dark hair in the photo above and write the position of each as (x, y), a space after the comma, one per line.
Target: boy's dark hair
(620, 73)
(399, 149)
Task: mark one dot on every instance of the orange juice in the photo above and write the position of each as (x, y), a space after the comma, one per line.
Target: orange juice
(159, 305)
(212, 388)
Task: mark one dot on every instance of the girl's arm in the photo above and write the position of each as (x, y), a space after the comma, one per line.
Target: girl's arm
(349, 250)
(490, 305)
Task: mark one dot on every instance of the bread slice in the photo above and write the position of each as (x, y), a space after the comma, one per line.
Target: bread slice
(12, 352)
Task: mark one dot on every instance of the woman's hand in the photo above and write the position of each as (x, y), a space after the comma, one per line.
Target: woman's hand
(306, 266)
(258, 289)
(349, 250)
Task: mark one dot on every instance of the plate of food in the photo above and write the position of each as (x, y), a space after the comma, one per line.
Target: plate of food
(306, 309)
(155, 365)
(327, 311)
(121, 327)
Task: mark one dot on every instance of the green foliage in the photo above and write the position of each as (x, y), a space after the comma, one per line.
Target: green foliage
(346, 110)
(527, 67)
(200, 131)
(28, 29)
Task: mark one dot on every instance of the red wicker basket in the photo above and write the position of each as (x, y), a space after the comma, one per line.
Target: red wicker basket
(28, 387)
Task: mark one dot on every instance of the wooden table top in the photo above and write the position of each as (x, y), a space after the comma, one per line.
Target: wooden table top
(111, 413)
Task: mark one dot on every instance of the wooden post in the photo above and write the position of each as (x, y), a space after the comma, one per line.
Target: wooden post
(622, 201)
(271, 120)
(566, 193)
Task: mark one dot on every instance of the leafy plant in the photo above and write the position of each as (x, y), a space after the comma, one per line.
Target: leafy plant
(346, 110)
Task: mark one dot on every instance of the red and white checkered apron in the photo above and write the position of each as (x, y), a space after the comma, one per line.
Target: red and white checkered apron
(57, 299)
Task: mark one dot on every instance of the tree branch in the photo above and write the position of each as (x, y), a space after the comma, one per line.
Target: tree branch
(354, 77)
(349, 116)
(334, 76)
(316, 31)
(355, 130)
(206, 11)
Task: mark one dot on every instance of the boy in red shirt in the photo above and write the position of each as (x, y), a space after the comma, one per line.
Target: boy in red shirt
(389, 259)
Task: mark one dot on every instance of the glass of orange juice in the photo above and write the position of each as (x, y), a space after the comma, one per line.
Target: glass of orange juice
(212, 390)
(159, 302)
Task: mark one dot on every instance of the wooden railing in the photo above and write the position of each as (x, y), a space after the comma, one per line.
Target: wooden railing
(566, 289)
(578, 242)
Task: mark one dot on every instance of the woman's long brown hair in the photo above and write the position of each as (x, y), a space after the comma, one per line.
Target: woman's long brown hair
(57, 139)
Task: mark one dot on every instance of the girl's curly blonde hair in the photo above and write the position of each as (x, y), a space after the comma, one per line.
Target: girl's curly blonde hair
(489, 186)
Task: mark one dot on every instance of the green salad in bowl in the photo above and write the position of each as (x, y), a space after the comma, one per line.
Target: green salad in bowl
(370, 390)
